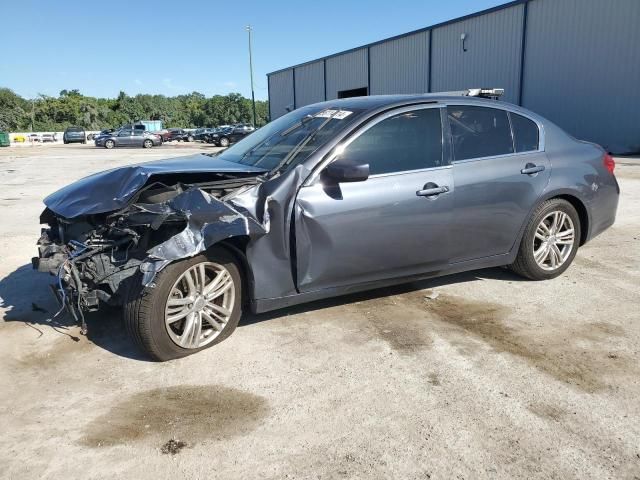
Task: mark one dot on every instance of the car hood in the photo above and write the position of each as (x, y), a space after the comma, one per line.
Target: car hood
(112, 190)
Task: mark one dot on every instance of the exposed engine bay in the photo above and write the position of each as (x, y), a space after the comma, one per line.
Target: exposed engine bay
(94, 256)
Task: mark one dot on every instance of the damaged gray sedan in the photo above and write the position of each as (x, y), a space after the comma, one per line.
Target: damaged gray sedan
(329, 199)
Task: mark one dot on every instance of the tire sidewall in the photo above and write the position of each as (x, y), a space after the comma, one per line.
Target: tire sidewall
(165, 347)
(109, 144)
(527, 239)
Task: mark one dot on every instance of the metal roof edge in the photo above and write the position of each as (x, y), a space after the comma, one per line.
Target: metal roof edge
(486, 11)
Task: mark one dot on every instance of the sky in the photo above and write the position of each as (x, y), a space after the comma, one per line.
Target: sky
(172, 47)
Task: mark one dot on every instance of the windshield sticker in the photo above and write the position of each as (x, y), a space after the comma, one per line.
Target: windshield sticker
(337, 114)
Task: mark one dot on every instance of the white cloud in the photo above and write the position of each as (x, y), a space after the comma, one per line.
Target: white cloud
(137, 81)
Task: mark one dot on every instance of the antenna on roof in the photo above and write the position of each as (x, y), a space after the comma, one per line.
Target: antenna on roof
(492, 93)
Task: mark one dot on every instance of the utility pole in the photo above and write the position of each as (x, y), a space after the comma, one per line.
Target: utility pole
(249, 29)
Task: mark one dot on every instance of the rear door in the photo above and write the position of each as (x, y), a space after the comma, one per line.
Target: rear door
(499, 170)
(395, 223)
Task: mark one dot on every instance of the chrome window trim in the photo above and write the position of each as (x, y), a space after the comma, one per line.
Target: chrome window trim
(337, 149)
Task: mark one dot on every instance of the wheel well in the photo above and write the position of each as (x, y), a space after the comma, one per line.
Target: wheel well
(582, 214)
(237, 246)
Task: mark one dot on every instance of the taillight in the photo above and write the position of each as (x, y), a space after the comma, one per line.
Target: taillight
(609, 163)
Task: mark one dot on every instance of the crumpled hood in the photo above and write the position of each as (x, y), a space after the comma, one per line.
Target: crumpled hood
(113, 189)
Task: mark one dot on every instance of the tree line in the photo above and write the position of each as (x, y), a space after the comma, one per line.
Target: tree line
(47, 113)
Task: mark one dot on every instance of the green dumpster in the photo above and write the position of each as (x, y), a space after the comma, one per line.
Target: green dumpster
(4, 139)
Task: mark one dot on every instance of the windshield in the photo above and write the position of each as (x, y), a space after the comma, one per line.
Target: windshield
(290, 139)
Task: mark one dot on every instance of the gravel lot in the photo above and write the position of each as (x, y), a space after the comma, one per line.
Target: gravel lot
(476, 375)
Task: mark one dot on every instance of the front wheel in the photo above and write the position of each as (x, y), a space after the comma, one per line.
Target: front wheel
(147, 144)
(224, 142)
(195, 304)
(109, 144)
(550, 241)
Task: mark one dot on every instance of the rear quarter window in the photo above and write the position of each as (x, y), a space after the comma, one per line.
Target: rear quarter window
(526, 135)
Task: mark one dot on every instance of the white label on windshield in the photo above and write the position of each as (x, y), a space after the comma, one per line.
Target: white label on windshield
(337, 114)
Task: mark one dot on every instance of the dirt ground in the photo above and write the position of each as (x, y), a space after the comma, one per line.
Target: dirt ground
(476, 375)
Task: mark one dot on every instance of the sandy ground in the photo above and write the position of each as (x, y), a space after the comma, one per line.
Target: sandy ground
(494, 378)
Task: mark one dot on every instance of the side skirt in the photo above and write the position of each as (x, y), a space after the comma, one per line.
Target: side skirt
(260, 305)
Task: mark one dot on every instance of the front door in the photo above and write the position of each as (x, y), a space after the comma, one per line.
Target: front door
(499, 171)
(394, 224)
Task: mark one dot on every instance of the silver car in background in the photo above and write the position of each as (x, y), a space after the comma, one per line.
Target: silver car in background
(332, 198)
(128, 137)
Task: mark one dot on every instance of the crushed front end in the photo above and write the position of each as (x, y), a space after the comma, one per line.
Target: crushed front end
(95, 256)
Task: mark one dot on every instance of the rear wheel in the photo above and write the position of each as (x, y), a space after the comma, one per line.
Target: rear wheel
(195, 304)
(109, 144)
(224, 142)
(550, 241)
(190, 138)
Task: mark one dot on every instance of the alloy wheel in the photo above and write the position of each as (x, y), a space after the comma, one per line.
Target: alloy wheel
(199, 305)
(554, 240)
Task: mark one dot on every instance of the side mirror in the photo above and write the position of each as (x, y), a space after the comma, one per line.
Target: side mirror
(343, 170)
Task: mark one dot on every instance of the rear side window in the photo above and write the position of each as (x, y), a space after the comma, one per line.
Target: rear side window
(407, 141)
(525, 133)
(479, 132)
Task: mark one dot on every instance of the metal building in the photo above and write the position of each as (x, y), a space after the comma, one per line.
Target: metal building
(576, 62)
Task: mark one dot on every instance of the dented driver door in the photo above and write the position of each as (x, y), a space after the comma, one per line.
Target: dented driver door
(393, 224)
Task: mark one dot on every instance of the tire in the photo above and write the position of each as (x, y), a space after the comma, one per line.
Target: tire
(224, 142)
(145, 308)
(109, 144)
(147, 144)
(190, 138)
(65, 142)
(526, 264)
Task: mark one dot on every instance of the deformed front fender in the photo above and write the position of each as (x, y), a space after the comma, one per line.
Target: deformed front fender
(209, 221)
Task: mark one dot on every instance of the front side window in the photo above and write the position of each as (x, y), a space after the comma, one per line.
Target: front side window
(479, 132)
(403, 142)
(525, 133)
(124, 133)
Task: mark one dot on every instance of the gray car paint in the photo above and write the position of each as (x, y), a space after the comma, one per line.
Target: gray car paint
(348, 243)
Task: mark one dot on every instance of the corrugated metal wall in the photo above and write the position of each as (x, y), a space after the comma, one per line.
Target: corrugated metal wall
(492, 58)
(346, 72)
(280, 93)
(309, 84)
(582, 68)
(400, 66)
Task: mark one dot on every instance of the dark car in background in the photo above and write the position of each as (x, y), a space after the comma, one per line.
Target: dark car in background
(226, 136)
(101, 133)
(332, 198)
(201, 134)
(129, 137)
(74, 135)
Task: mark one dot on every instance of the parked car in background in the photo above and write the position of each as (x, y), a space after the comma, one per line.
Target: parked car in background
(48, 138)
(74, 135)
(226, 136)
(129, 137)
(33, 137)
(201, 134)
(175, 134)
(106, 131)
(188, 135)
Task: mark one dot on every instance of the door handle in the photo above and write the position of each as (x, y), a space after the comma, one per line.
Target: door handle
(432, 191)
(530, 169)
